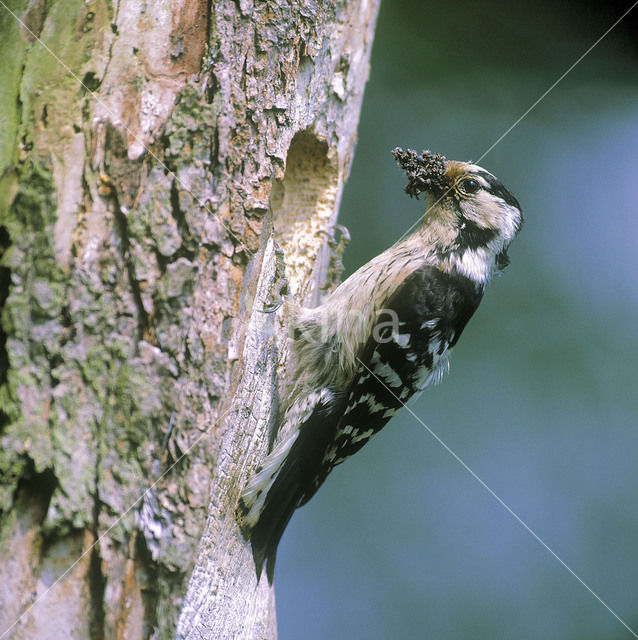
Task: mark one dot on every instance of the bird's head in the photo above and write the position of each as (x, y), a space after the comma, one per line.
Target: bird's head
(470, 208)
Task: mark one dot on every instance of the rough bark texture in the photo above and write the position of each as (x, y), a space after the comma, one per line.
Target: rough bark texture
(148, 217)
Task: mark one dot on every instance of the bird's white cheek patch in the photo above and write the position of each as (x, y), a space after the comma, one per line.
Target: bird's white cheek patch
(474, 264)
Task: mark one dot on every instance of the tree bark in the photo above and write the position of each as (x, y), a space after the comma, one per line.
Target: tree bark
(166, 172)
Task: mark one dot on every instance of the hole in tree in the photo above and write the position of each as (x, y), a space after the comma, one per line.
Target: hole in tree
(303, 205)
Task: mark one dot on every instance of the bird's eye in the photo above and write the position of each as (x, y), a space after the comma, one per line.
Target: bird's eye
(469, 185)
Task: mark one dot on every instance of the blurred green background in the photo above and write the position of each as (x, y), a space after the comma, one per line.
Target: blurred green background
(542, 400)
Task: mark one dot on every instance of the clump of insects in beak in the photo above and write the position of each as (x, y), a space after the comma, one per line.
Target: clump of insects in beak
(425, 171)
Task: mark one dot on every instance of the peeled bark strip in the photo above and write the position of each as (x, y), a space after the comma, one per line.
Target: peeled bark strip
(149, 215)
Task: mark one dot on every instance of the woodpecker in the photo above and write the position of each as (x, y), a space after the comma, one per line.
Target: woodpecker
(379, 338)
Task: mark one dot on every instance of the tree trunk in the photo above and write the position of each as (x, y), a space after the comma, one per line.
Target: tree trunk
(166, 172)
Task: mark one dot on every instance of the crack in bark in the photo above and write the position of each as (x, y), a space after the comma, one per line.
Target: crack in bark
(149, 590)
(122, 226)
(97, 587)
(182, 225)
(95, 575)
(5, 282)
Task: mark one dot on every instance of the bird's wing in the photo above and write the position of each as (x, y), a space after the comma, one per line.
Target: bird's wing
(405, 351)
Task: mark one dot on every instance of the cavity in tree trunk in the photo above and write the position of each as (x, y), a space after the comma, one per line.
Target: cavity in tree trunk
(167, 171)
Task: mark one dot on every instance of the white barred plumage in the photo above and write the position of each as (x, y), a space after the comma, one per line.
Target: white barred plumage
(382, 336)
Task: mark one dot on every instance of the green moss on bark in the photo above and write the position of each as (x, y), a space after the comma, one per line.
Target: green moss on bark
(12, 41)
(31, 323)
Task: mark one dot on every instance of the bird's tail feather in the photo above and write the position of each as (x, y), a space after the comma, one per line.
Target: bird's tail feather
(280, 503)
(287, 480)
